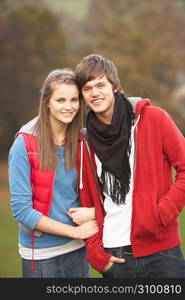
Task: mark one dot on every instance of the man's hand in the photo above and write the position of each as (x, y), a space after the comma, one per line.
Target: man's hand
(112, 260)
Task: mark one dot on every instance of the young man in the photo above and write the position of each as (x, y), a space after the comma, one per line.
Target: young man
(133, 148)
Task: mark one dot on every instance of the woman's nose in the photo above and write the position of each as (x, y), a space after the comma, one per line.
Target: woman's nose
(68, 106)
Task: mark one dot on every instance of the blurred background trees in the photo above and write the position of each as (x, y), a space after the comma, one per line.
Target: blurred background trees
(145, 39)
(32, 43)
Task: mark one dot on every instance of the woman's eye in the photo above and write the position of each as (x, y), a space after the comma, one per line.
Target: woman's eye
(60, 100)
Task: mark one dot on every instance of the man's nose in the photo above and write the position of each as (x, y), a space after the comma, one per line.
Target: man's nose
(94, 92)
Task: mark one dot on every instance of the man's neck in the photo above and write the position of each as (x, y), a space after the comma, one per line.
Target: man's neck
(105, 118)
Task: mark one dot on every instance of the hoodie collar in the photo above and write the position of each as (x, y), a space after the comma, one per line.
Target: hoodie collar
(138, 104)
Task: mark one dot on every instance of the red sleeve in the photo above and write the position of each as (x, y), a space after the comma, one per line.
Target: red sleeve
(90, 197)
(172, 203)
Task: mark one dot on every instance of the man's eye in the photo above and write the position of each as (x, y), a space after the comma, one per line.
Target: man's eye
(101, 85)
(86, 89)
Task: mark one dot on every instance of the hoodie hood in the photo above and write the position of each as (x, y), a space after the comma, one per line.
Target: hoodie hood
(138, 104)
(29, 127)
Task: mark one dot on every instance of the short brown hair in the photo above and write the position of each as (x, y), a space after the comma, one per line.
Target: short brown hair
(95, 65)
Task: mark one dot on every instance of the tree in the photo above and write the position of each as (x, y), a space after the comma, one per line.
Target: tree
(32, 44)
(145, 40)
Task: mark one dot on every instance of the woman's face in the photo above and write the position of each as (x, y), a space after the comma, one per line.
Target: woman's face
(63, 104)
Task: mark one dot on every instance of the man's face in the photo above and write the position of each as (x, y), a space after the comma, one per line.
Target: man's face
(99, 96)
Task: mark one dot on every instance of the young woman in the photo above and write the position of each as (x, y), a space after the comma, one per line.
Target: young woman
(43, 184)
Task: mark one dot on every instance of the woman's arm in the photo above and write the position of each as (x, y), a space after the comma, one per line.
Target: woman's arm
(21, 200)
(20, 187)
(51, 226)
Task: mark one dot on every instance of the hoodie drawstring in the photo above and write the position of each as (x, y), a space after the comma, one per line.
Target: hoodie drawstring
(81, 164)
(32, 244)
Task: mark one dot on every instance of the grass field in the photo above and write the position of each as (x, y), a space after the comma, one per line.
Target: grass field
(10, 266)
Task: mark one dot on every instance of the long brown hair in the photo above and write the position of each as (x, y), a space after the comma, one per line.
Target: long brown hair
(46, 147)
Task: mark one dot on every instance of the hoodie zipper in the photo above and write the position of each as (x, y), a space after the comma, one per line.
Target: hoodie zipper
(134, 168)
(135, 147)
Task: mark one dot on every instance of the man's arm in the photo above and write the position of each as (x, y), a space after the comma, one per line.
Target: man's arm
(172, 203)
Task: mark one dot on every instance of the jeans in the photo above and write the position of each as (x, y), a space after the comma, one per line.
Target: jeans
(69, 265)
(165, 264)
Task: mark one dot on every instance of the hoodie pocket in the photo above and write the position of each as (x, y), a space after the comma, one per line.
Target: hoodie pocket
(146, 219)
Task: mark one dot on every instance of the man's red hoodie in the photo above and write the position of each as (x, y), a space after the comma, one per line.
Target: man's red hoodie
(157, 199)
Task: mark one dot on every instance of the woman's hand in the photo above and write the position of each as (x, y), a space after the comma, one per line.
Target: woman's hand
(82, 231)
(85, 230)
(80, 215)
